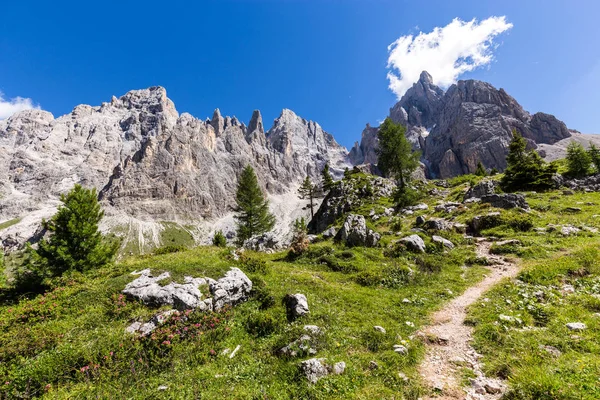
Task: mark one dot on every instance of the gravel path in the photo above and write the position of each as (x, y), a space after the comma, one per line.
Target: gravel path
(448, 340)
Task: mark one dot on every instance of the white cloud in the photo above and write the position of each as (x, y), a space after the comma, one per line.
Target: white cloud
(446, 53)
(9, 107)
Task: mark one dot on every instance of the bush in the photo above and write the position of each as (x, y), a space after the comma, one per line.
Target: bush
(262, 294)
(430, 263)
(300, 241)
(219, 239)
(168, 249)
(261, 324)
(254, 264)
(397, 275)
(368, 279)
(406, 196)
(516, 222)
(395, 250)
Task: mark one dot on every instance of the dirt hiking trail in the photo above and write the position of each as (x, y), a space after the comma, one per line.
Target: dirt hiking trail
(448, 340)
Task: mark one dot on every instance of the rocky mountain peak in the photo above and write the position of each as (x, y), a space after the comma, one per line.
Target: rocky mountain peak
(420, 103)
(218, 122)
(425, 79)
(256, 123)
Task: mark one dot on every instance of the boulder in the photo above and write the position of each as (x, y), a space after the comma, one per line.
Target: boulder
(267, 242)
(144, 329)
(569, 230)
(299, 347)
(506, 201)
(443, 241)
(379, 328)
(437, 224)
(296, 305)
(314, 369)
(354, 232)
(486, 187)
(576, 326)
(414, 243)
(330, 233)
(317, 368)
(231, 289)
(148, 289)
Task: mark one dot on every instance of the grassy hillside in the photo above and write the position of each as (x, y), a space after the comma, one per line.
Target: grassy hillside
(71, 342)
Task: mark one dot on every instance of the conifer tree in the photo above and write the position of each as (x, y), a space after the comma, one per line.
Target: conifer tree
(480, 171)
(526, 170)
(308, 190)
(395, 155)
(327, 178)
(578, 160)
(75, 242)
(594, 153)
(253, 216)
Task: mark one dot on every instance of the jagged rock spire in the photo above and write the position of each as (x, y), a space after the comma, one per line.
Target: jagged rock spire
(217, 122)
(256, 122)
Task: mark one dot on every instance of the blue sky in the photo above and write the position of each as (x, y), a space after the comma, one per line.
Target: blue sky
(326, 60)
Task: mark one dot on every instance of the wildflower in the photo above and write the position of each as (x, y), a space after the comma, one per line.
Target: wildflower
(48, 387)
(111, 353)
(166, 342)
(212, 352)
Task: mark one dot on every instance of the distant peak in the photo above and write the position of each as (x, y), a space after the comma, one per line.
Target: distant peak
(425, 77)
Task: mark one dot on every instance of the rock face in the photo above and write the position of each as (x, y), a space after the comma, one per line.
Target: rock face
(354, 232)
(345, 196)
(471, 122)
(149, 163)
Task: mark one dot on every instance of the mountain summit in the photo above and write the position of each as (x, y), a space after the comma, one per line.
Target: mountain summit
(471, 122)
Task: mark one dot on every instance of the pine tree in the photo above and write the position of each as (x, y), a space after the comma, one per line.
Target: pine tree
(253, 216)
(75, 242)
(480, 171)
(578, 160)
(307, 190)
(395, 155)
(594, 153)
(327, 178)
(526, 170)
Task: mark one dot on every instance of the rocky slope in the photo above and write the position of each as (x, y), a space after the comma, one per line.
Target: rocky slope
(472, 121)
(151, 164)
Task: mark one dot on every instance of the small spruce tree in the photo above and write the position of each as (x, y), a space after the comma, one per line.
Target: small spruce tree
(480, 171)
(308, 190)
(578, 160)
(75, 243)
(327, 179)
(219, 239)
(526, 170)
(594, 153)
(252, 213)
